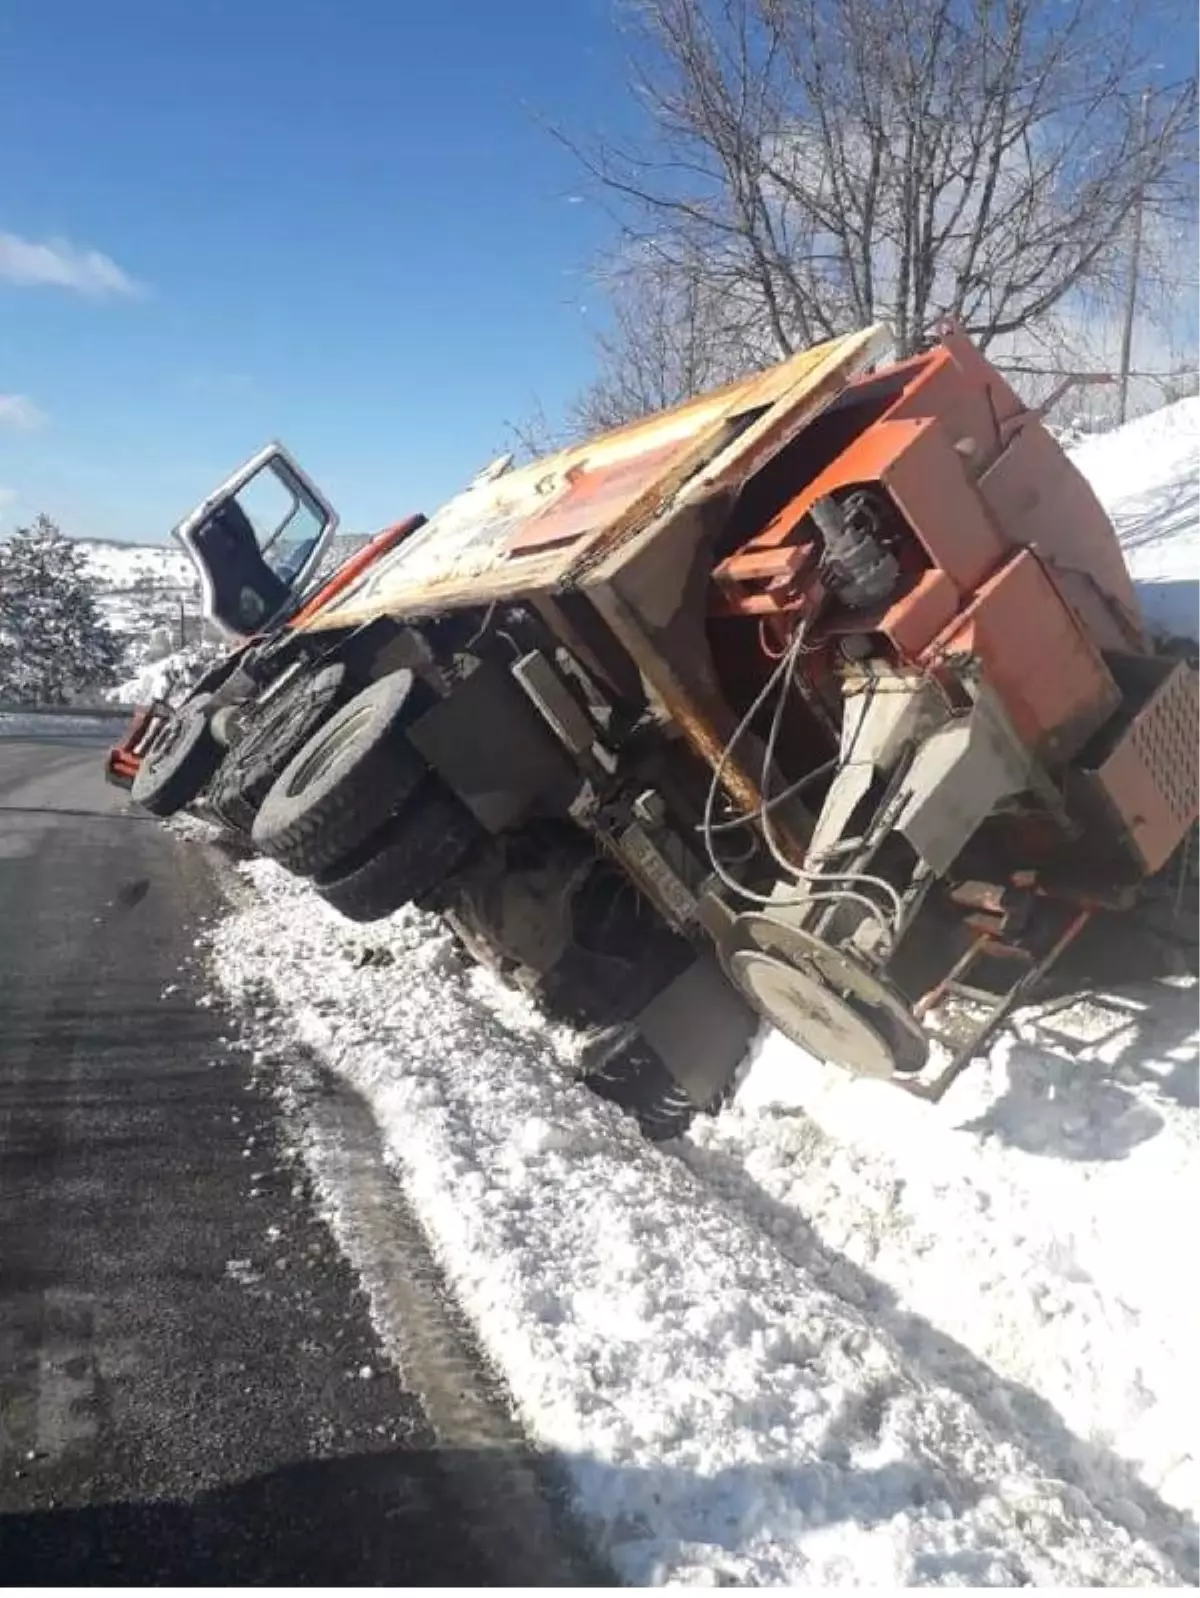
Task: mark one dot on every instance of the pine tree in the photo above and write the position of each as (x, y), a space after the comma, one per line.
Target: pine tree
(54, 643)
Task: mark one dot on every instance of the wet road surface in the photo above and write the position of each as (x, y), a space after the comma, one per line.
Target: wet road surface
(190, 1386)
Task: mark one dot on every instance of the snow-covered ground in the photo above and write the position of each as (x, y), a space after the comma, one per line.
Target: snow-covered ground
(1147, 476)
(835, 1335)
(734, 1397)
(115, 566)
(167, 676)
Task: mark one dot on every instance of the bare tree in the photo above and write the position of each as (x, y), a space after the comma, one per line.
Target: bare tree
(670, 337)
(813, 165)
(534, 434)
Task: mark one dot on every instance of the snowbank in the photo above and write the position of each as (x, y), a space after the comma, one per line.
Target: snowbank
(1024, 1221)
(727, 1401)
(165, 678)
(151, 681)
(1147, 476)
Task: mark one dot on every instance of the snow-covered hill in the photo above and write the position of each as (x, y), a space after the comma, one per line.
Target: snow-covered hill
(115, 566)
(150, 596)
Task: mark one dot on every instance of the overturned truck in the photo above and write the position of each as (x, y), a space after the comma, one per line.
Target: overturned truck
(824, 698)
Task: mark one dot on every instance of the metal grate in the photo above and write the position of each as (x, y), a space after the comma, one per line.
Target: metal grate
(1164, 734)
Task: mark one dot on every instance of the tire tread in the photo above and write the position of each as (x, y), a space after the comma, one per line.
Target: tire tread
(165, 790)
(311, 832)
(414, 853)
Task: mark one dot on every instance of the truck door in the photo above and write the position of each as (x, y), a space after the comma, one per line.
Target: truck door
(257, 541)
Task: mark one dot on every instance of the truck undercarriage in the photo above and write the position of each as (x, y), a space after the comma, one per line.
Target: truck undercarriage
(825, 700)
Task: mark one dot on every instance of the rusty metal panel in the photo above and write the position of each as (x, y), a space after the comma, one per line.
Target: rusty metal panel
(1040, 499)
(593, 499)
(869, 458)
(921, 612)
(918, 465)
(1047, 672)
(1151, 778)
(955, 383)
(548, 524)
(930, 484)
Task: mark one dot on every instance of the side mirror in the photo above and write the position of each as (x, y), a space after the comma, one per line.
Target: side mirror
(257, 540)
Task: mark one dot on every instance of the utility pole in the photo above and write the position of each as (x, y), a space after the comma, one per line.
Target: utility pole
(1135, 261)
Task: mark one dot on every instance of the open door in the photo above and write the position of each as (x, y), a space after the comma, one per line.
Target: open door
(257, 541)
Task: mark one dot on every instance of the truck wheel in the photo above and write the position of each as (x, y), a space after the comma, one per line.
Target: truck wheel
(270, 740)
(338, 790)
(178, 764)
(634, 1078)
(414, 853)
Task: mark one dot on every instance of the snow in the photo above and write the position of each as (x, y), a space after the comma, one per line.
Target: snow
(836, 1335)
(146, 593)
(727, 1398)
(1147, 476)
(159, 679)
(149, 682)
(1022, 1217)
(115, 565)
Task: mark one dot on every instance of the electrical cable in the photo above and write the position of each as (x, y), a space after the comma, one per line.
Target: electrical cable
(833, 894)
(488, 614)
(783, 667)
(777, 799)
(772, 842)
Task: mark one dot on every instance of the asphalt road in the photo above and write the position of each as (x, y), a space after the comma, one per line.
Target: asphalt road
(190, 1386)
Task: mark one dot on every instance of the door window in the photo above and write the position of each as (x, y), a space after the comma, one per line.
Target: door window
(286, 523)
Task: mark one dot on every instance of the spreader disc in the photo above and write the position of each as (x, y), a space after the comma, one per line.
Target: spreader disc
(837, 1008)
(811, 1014)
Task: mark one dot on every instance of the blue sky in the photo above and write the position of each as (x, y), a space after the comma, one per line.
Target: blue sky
(342, 225)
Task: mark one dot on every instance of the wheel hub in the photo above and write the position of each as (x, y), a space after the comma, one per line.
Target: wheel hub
(165, 739)
(823, 998)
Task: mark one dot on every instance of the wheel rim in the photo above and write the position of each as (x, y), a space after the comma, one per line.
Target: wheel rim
(804, 1009)
(166, 740)
(331, 746)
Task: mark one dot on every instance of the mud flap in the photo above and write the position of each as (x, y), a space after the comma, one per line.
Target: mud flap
(120, 768)
(701, 1029)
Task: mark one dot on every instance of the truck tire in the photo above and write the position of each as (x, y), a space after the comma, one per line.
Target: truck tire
(634, 1079)
(344, 783)
(414, 853)
(179, 763)
(572, 984)
(270, 740)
